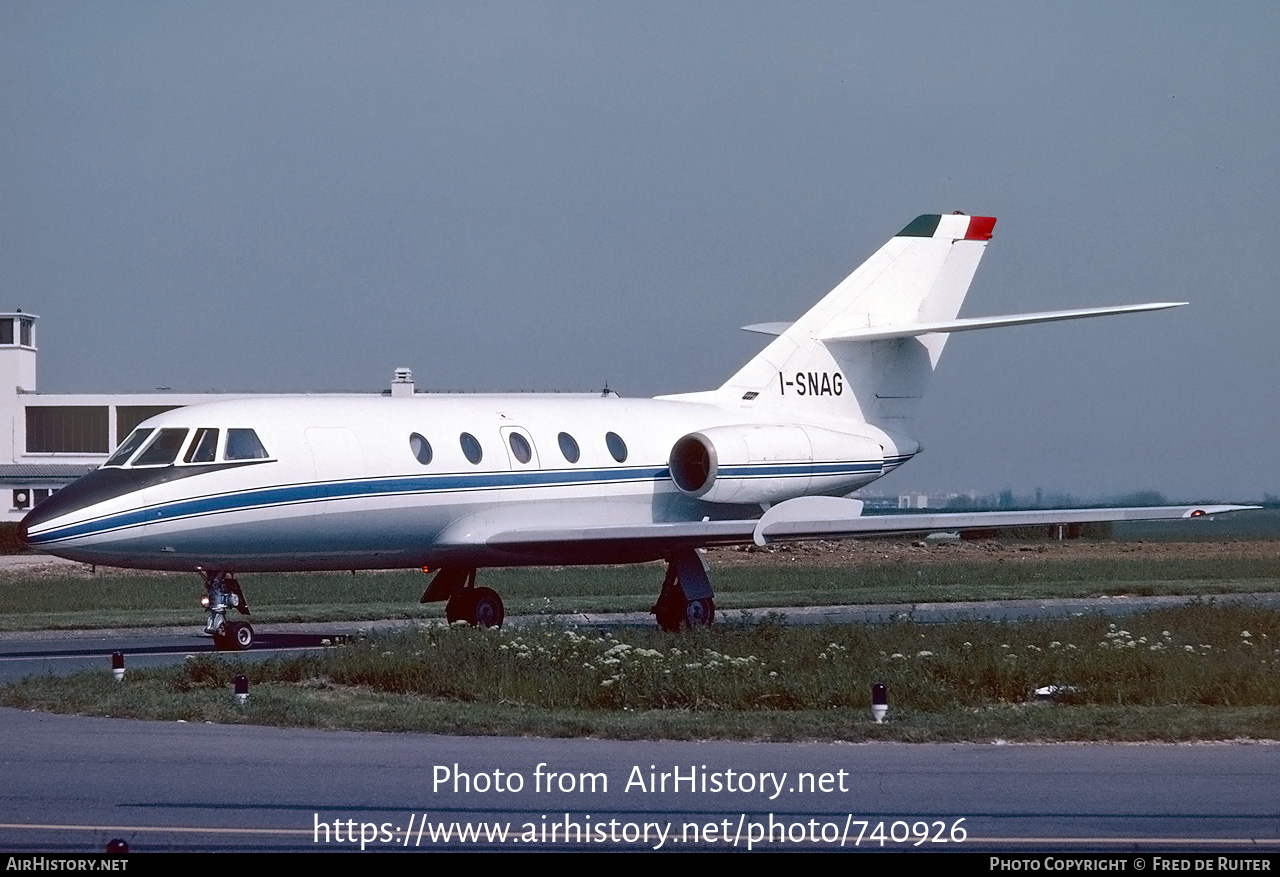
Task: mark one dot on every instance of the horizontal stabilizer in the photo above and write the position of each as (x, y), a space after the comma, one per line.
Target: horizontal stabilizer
(910, 330)
(767, 328)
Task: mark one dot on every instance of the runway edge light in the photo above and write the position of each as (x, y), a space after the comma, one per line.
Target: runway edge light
(879, 701)
(117, 666)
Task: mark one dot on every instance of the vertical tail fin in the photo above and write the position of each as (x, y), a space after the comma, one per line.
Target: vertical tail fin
(920, 275)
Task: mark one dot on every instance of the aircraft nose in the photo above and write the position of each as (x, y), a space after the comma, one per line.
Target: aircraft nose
(85, 491)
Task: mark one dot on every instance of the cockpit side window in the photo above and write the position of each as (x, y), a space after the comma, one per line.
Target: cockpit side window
(126, 449)
(163, 449)
(243, 444)
(204, 447)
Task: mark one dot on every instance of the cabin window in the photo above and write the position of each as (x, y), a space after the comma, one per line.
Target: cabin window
(163, 449)
(520, 447)
(204, 447)
(617, 447)
(471, 447)
(568, 447)
(243, 444)
(131, 444)
(421, 448)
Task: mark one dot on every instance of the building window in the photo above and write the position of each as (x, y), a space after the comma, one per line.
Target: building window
(129, 416)
(25, 328)
(6, 330)
(67, 429)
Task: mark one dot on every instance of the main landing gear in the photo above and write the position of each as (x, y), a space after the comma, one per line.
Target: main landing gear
(479, 607)
(686, 599)
(222, 592)
(685, 602)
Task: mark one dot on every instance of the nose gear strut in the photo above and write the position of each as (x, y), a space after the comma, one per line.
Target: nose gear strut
(222, 592)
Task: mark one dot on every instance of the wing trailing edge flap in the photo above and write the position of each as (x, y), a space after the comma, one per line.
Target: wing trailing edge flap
(820, 517)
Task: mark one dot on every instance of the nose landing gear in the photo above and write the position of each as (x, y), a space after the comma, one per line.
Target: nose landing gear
(222, 592)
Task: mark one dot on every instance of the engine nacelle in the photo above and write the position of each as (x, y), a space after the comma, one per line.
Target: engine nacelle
(772, 463)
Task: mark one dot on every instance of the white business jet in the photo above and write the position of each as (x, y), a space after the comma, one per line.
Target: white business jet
(454, 483)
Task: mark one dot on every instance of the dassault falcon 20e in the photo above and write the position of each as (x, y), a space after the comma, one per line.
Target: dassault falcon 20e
(454, 483)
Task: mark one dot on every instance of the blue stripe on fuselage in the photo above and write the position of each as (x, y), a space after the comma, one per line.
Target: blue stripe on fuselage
(321, 491)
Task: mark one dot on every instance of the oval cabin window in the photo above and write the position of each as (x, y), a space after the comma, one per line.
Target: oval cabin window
(617, 447)
(471, 447)
(520, 447)
(568, 447)
(421, 448)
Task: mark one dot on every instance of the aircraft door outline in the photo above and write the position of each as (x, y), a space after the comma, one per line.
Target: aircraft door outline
(518, 443)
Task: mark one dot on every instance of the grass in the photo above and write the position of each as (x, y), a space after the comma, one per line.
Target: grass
(118, 599)
(1196, 672)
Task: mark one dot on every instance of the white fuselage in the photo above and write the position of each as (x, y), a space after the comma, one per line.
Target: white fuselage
(342, 485)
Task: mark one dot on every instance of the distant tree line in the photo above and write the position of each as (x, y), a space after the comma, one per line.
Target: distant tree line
(1007, 500)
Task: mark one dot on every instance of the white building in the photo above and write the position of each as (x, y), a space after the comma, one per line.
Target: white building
(48, 441)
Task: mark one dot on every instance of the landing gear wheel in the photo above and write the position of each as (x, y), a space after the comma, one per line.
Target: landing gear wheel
(486, 608)
(700, 613)
(234, 636)
(241, 634)
(686, 574)
(670, 615)
(676, 613)
(459, 607)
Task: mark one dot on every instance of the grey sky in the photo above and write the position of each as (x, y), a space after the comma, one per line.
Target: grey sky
(294, 196)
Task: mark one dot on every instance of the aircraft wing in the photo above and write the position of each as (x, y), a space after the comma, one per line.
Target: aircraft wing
(821, 517)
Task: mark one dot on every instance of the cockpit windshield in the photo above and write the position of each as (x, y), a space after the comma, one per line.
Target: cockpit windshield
(131, 444)
(163, 449)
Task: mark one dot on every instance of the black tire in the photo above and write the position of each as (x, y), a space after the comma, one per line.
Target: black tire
(241, 635)
(459, 607)
(486, 608)
(671, 614)
(223, 641)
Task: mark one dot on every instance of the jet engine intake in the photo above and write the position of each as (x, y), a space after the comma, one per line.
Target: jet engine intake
(772, 463)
